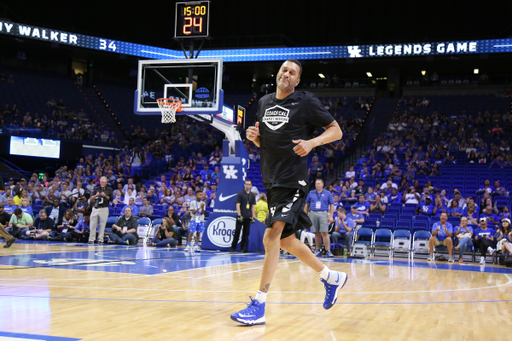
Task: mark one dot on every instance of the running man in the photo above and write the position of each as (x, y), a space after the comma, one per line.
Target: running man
(285, 124)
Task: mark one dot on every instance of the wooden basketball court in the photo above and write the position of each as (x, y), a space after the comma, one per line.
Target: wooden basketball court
(76, 292)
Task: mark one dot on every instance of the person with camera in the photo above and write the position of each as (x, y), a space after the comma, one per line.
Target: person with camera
(42, 226)
(82, 230)
(100, 199)
(246, 213)
(81, 205)
(166, 235)
(124, 231)
(19, 221)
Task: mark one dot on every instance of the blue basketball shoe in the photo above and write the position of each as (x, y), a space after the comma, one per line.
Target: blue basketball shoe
(333, 284)
(253, 315)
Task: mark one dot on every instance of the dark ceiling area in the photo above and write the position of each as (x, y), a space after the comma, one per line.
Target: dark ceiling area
(301, 22)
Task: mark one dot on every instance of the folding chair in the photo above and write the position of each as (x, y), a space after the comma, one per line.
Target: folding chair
(383, 239)
(402, 242)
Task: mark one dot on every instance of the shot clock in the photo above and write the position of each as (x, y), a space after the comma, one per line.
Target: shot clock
(192, 19)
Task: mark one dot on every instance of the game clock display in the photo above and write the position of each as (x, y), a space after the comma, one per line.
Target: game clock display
(192, 19)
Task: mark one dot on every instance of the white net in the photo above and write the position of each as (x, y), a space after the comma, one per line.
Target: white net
(168, 107)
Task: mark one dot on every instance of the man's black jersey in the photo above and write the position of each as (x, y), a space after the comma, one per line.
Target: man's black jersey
(281, 121)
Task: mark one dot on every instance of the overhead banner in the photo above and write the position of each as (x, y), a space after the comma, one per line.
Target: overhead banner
(269, 54)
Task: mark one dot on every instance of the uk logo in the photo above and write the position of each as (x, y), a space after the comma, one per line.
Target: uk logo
(230, 171)
(276, 117)
(354, 51)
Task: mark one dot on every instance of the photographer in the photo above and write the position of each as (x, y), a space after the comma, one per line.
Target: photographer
(19, 221)
(100, 200)
(165, 236)
(125, 229)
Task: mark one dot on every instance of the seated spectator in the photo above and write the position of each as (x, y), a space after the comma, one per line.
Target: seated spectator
(455, 210)
(394, 196)
(134, 208)
(146, 210)
(370, 195)
(25, 207)
(378, 206)
(411, 196)
(350, 173)
(124, 231)
(363, 206)
(17, 197)
(503, 237)
(439, 207)
(484, 239)
(165, 235)
(498, 189)
(152, 197)
(425, 208)
(491, 217)
(64, 227)
(130, 193)
(505, 213)
(457, 198)
(441, 235)
(5, 195)
(361, 189)
(81, 231)
(471, 214)
(388, 185)
(49, 198)
(357, 217)
(347, 226)
(42, 227)
(486, 188)
(423, 169)
(18, 222)
(464, 234)
(168, 198)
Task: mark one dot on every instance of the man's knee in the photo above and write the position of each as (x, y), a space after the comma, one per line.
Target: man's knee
(273, 233)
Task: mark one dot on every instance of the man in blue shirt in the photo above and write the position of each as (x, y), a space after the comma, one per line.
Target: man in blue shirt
(344, 225)
(81, 231)
(131, 204)
(491, 217)
(205, 172)
(441, 235)
(425, 208)
(320, 208)
(356, 217)
(363, 206)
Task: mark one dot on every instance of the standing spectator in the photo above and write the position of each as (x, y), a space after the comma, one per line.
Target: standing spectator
(261, 208)
(441, 235)
(124, 231)
(246, 211)
(100, 199)
(320, 208)
(315, 169)
(484, 240)
(464, 234)
(166, 234)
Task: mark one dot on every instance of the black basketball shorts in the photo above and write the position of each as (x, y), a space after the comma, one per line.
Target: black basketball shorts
(287, 205)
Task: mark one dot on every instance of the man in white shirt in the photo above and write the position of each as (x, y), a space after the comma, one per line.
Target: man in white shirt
(350, 173)
(389, 184)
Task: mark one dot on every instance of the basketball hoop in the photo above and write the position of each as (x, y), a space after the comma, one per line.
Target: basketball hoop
(169, 107)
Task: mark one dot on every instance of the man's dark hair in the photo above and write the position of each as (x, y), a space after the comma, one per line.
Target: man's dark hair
(199, 191)
(248, 181)
(295, 61)
(18, 211)
(87, 214)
